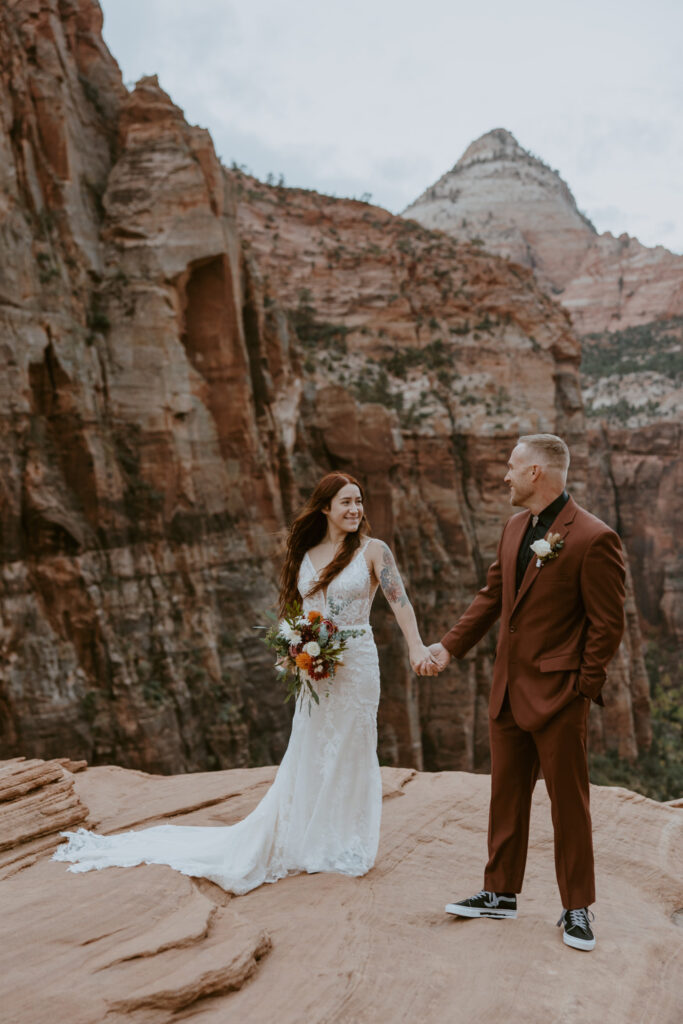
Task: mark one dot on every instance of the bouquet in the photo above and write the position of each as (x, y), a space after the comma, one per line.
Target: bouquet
(309, 649)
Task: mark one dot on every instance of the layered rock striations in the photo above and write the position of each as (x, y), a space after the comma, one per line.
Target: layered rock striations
(133, 458)
(186, 351)
(37, 801)
(508, 200)
(626, 303)
(501, 196)
(149, 944)
(383, 311)
(633, 394)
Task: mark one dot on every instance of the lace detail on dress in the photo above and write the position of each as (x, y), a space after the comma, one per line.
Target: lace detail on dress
(349, 596)
(322, 812)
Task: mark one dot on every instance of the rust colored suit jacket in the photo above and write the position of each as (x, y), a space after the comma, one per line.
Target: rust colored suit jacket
(558, 633)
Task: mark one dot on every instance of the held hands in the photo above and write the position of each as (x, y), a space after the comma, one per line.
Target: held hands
(429, 661)
(439, 655)
(419, 657)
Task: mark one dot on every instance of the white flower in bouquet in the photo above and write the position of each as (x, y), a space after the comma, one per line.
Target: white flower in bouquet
(541, 548)
(309, 649)
(289, 634)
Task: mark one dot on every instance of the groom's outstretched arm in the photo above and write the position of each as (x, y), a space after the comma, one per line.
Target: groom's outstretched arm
(481, 614)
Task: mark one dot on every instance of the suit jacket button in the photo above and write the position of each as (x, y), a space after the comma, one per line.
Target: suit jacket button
(512, 629)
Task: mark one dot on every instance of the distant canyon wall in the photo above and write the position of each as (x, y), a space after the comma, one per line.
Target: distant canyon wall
(626, 304)
(503, 197)
(186, 350)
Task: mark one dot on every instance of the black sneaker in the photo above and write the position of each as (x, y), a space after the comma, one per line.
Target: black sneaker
(577, 930)
(485, 904)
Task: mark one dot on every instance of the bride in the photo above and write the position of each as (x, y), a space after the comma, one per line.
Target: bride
(322, 812)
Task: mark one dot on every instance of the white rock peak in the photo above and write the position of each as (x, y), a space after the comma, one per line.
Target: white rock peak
(506, 199)
(495, 145)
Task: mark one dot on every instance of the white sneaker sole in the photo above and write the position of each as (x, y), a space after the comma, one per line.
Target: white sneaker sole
(459, 911)
(586, 944)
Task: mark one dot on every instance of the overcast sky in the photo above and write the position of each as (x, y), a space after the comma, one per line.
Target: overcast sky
(383, 96)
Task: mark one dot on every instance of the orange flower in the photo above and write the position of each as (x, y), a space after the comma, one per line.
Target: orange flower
(304, 661)
(314, 616)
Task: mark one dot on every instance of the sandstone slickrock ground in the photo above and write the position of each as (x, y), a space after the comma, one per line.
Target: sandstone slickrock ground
(149, 945)
(185, 351)
(37, 799)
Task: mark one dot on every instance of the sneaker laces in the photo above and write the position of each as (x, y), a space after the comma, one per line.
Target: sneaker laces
(578, 918)
(491, 897)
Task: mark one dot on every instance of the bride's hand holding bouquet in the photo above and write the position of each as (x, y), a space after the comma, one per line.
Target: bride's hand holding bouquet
(309, 648)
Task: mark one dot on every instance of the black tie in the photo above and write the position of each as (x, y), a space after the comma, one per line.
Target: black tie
(525, 552)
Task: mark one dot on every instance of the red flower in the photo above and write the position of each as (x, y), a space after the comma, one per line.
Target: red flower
(319, 672)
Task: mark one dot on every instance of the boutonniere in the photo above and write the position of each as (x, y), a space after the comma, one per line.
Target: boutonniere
(547, 549)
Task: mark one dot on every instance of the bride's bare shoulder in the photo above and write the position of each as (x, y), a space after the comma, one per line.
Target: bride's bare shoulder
(374, 554)
(375, 547)
(317, 549)
(379, 545)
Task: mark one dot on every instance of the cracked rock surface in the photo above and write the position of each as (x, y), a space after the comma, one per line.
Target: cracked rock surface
(150, 945)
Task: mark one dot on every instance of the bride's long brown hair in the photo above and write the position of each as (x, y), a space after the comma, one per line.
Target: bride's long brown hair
(308, 529)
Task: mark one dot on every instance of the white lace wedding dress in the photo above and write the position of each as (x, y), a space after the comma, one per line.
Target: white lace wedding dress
(322, 812)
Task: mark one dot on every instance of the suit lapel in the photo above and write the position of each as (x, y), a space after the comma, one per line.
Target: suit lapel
(561, 525)
(516, 531)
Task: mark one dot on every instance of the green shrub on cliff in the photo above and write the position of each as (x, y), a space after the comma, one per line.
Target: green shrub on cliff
(314, 333)
(655, 346)
(658, 773)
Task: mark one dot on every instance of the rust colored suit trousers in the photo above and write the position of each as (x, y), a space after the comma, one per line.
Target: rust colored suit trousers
(559, 749)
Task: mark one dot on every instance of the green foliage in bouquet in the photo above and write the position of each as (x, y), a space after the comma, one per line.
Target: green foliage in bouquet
(309, 648)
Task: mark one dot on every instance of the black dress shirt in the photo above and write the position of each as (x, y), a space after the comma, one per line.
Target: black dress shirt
(545, 520)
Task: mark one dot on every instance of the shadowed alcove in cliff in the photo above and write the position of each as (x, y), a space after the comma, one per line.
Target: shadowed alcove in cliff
(59, 428)
(211, 337)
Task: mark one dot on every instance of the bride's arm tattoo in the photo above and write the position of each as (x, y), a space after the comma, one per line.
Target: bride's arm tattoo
(390, 580)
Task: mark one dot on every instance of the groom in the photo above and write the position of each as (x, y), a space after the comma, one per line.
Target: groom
(557, 586)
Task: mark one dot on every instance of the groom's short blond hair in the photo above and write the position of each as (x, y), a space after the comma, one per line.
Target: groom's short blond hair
(552, 450)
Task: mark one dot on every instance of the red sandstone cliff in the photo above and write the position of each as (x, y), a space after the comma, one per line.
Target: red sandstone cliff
(186, 350)
(626, 302)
